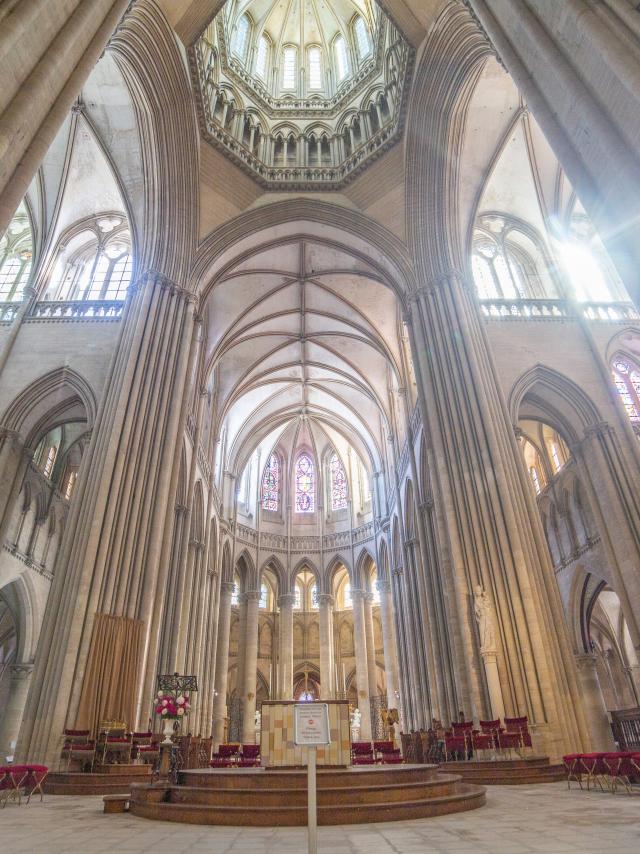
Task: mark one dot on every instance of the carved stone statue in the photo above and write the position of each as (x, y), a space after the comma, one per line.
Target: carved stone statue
(356, 718)
(258, 720)
(482, 609)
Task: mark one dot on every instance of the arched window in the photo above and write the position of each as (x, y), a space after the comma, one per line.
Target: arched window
(16, 252)
(315, 68)
(338, 483)
(592, 276)
(264, 596)
(626, 376)
(342, 59)
(496, 276)
(305, 482)
(315, 604)
(241, 38)
(93, 270)
(534, 464)
(261, 57)
(235, 594)
(363, 39)
(289, 69)
(297, 603)
(271, 484)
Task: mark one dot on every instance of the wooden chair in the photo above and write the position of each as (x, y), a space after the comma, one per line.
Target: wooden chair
(114, 742)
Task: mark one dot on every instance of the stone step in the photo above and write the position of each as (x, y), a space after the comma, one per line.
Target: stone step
(147, 802)
(444, 784)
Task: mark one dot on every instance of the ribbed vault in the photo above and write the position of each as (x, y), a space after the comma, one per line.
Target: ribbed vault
(301, 328)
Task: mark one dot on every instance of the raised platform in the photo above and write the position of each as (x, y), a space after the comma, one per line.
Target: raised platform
(105, 780)
(259, 798)
(507, 772)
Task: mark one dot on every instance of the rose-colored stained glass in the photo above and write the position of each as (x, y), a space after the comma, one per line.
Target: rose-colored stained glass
(305, 480)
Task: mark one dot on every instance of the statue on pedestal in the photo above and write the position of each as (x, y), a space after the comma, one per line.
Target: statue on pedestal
(354, 723)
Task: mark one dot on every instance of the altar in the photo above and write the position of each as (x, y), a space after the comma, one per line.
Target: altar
(277, 745)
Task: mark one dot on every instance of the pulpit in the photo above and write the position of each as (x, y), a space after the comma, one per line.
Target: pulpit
(277, 745)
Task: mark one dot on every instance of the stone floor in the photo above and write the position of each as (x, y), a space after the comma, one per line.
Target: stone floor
(545, 818)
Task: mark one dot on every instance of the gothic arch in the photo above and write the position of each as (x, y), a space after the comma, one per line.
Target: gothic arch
(60, 394)
(563, 403)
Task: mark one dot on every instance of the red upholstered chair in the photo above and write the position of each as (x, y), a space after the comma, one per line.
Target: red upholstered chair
(455, 745)
(250, 757)
(226, 757)
(521, 727)
(463, 730)
(593, 765)
(145, 747)
(33, 780)
(362, 753)
(621, 768)
(386, 753)
(82, 752)
(482, 741)
(71, 738)
(116, 749)
(11, 781)
(573, 768)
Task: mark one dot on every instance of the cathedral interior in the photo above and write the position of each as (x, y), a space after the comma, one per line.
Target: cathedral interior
(319, 363)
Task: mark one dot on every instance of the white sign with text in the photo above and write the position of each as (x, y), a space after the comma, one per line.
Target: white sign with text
(311, 724)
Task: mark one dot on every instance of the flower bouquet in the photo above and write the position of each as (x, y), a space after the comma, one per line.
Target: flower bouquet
(171, 708)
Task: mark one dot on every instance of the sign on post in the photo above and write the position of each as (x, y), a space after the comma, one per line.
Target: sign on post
(311, 728)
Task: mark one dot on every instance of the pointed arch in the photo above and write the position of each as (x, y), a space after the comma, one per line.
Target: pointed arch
(542, 390)
(60, 395)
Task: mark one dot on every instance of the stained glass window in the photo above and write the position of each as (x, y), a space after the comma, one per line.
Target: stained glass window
(264, 596)
(271, 484)
(346, 598)
(298, 598)
(627, 379)
(338, 483)
(235, 595)
(305, 484)
(314, 597)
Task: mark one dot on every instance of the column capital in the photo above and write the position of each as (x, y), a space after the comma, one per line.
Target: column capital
(586, 660)
(358, 593)
(251, 596)
(286, 599)
(21, 670)
(325, 599)
(227, 587)
(383, 585)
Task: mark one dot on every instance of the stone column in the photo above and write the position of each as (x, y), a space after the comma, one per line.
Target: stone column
(362, 673)
(252, 598)
(19, 681)
(389, 644)
(490, 520)
(593, 701)
(372, 674)
(119, 566)
(327, 666)
(222, 663)
(286, 603)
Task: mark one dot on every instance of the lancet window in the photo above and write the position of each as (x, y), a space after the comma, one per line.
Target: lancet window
(338, 483)
(305, 484)
(342, 59)
(626, 376)
(16, 252)
(362, 38)
(271, 484)
(241, 38)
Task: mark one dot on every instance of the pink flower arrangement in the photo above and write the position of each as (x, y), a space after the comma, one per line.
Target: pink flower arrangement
(170, 706)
